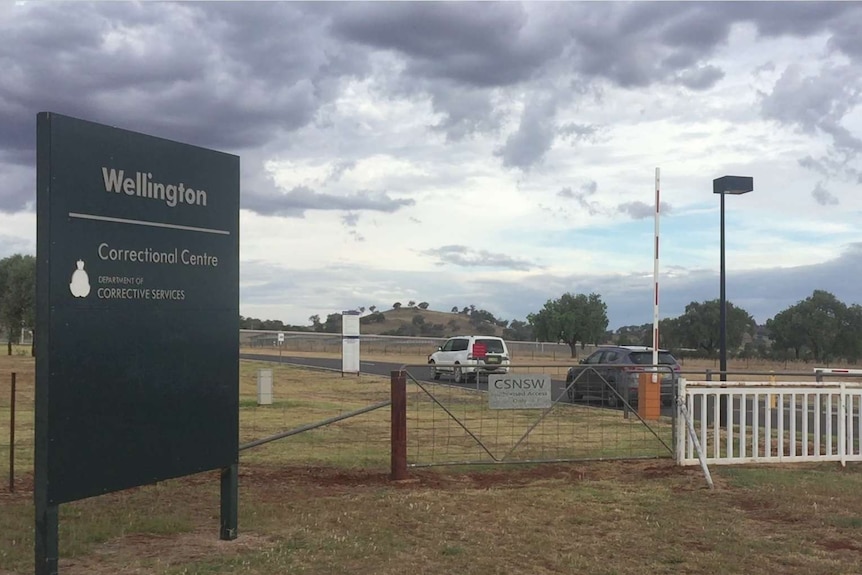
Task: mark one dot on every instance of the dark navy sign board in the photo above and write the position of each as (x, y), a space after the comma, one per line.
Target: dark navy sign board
(137, 331)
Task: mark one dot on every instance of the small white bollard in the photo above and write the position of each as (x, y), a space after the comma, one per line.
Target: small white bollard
(264, 387)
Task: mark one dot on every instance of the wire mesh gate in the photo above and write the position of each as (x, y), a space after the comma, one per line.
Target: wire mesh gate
(453, 424)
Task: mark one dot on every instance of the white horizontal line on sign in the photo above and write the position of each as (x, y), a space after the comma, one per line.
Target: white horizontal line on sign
(147, 223)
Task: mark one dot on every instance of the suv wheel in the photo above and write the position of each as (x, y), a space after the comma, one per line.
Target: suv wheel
(434, 373)
(457, 374)
(613, 400)
(572, 392)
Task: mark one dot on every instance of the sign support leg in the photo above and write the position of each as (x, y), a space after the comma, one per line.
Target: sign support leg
(47, 538)
(229, 498)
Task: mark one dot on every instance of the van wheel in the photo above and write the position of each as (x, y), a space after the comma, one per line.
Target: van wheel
(457, 374)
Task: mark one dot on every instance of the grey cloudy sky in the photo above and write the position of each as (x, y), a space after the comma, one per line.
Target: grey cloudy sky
(494, 154)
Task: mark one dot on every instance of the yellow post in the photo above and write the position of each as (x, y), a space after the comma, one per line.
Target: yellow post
(773, 397)
(649, 397)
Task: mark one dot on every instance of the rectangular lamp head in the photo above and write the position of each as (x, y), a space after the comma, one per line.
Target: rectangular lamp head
(733, 185)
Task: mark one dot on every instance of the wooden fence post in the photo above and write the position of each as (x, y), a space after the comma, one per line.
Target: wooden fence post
(12, 437)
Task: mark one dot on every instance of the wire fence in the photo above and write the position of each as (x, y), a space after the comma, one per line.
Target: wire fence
(301, 400)
(451, 424)
(324, 418)
(17, 424)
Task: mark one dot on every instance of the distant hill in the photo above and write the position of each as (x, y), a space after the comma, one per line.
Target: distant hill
(414, 321)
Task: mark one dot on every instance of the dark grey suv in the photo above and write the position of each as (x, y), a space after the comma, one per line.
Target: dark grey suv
(618, 367)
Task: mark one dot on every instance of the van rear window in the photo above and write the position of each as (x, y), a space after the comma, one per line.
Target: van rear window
(492, 345)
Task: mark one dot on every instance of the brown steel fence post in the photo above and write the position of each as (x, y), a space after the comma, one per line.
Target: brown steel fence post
(398, 394)
(12, 437)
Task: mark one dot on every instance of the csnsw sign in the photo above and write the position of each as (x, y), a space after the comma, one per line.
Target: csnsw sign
(519, 391)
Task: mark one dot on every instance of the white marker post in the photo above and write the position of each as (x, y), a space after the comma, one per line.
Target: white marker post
(655, 341)
(349, 342)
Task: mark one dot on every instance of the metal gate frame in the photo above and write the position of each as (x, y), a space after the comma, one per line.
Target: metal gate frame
(399, 421)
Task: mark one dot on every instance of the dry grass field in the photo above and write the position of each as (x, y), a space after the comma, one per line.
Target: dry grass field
(307, 508)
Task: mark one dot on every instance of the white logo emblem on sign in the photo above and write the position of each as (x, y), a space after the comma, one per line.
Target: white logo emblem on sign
(80, 286)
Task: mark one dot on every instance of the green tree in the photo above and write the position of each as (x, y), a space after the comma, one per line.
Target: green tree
(423, 305)
(332, 323)
(820, 325)
(823, 323)
(572, 319)
(670, 334)
(17, 296)
(700, 326)
(518, 331)
(786, 332)
(396, 305)
(851, 339)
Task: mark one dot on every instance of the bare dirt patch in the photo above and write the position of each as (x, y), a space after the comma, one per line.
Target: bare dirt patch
(139, 554)
(333, 480)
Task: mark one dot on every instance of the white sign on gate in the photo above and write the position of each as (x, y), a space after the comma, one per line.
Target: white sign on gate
(519, 391)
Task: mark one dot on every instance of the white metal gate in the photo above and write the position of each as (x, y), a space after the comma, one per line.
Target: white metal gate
(751, 422)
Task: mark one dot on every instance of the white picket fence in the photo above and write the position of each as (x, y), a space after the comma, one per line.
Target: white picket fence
(768, 422)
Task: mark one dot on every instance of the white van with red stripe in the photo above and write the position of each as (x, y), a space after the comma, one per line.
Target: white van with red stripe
(466, 356)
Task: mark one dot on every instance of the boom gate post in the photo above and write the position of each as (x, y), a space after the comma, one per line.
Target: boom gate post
(649, 397)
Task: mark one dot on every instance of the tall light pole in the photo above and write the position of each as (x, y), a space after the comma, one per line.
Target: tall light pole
(735, 185)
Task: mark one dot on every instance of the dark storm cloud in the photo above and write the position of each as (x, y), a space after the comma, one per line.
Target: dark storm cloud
(534, 136)
(791, 18)
(702, 78)
(239, 76)
(463, 110)
(223, 75)
(479, 44)
(813, 102)
(297, 201)
(817, 104)
(823, 196)
(464, 256)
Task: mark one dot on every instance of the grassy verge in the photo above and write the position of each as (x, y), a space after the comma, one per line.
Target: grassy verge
(308, 506)
(602, 518)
